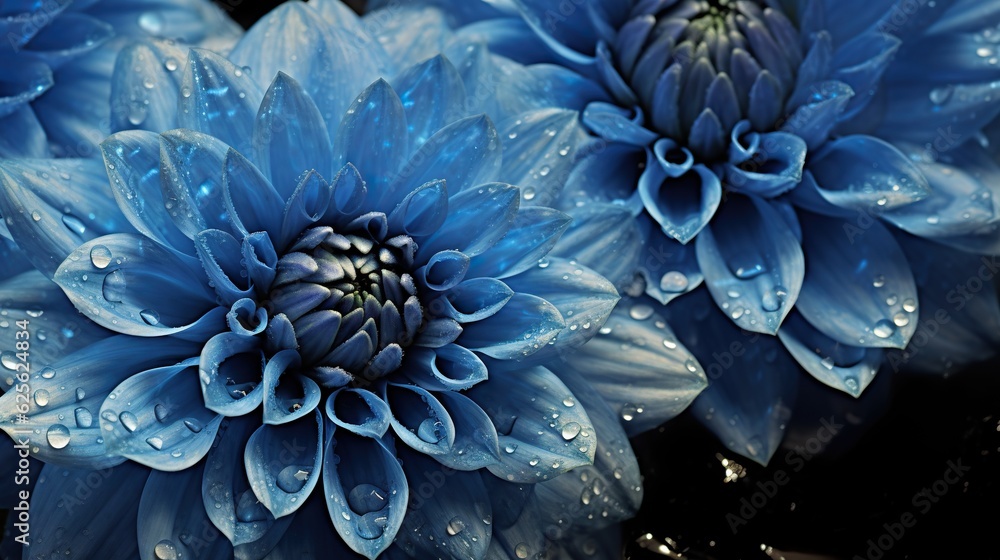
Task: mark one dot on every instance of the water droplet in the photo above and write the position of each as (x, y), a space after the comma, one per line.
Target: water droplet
(884, 329)
(366, 498)
(150, 317)
(84, 418)
(691, 365)
(674, 282)
(570, 431)
(194, 425)
(160, 412)
(828, 362)
(113, 288)
(455, 526)
(430, 430)
(41, 397)
(510, 447)
(57, 436)
(129, 421)
(851, 383)
(879, 281)
(528, 193)
(640, 312)
(100, 256)
(80, 394)
(984, 52)
(155, 442)
(48, 373)
(629, 412)
(521, 550)
(165, 550)
(900, 319)
(568, 402)
(36, 216)
(909, 305)
(170, 64)
(292, 478)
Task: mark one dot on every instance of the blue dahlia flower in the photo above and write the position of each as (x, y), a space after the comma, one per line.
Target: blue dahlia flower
(318, 315)
(813, 172)
(56, 57)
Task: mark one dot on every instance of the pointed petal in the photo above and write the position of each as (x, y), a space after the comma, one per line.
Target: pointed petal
(223, 100)
(433, 96)
(231, 370)
(604, 238)
(753, 264)
(373, 137)
(157, 419)
(69, 417)
(419, 419)
(847, 368)
(681, 205)
(132, 161)
(448, 523)
(288, 395)
(653, 381)
(862, 172)
(139, 294)
(146, 86)
(366, 491)
(252, 204)
(283, 479)
(170, 512)
(856, 283)
(191, 173)
(752, 385)
(533, 234)
(359, 411)
(290, 136)
(539, 151)
(521, 403)
(668, 268)
(448, 368)
(524, 325)
(607, 492)
(48, 205)
(477, 219)
(228, 499)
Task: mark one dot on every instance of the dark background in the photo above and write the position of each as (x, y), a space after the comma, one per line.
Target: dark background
(843, 502)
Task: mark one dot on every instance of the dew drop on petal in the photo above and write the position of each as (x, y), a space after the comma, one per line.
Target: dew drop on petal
(292, 478)
(165, 550)
(570, 431)
(851, 383)
(84, 418)
(629, 412)
(901, 319)
(155, 442)
(48, 373)
(41, 397)
(151, 22)
(455, 526)
(160, 412)
(100, 256)
(640, 312)
(150, 317)
(674, 282)
(193, 425)
(521, 550)
(113, 288)
(884, 329)
(80, 394)
(57, 436)
(909, 306)
(129, 421)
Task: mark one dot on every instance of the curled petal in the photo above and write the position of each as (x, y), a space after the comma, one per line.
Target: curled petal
(448, 368)
(524, 325)
(419, 419)
(231, 369)
(280, 478)
(288, 395)
(359, 411)
(682, 205)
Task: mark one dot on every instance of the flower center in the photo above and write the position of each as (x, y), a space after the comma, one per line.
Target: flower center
(350, 299)
(703, 66)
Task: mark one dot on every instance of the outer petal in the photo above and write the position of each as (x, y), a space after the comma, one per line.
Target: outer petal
(843, 367)
(191, 165)
(605, 493)
(106, 512)
(366, 491)
(433, 96)
(448, 523)
(524, 325)
(604, 238)
(477, 219)
(170, 512)
(753, 383)
(156, 418)
(134, 290)
(639, 367)
(51, 206)
(681, 205)
(146, 86)
(476, 445)
(857, 283)
(228, 499)
(753, 264)
(222, 102)
(66, 397)
(521, 403)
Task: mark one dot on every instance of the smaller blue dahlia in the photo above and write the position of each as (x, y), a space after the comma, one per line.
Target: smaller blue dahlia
(57, 56)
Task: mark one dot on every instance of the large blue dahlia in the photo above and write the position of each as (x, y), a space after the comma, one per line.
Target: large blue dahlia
(320, 313)
(807, 168)
(56, 58)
